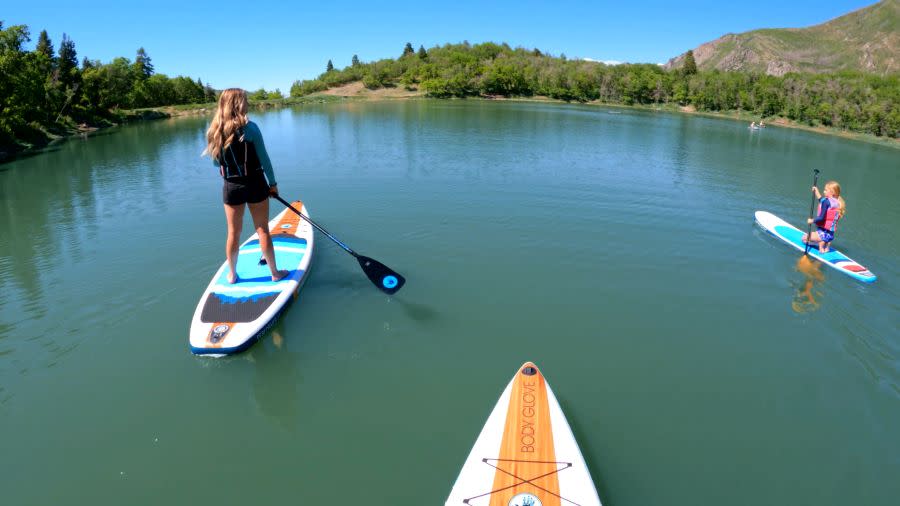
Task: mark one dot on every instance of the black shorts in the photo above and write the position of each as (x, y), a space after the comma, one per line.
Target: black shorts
(237, 191)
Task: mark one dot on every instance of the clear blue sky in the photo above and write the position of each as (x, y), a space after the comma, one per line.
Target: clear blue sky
(253, 44)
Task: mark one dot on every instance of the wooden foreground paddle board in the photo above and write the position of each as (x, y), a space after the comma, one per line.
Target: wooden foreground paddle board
(231, 317)
(526, 454)
(794, 237)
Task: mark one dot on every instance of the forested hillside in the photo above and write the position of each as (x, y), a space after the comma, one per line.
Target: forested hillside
(856, 101)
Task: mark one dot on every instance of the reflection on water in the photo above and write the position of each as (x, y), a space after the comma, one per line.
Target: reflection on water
(53, 213)
(806, 300)
(73, 232)
(275, 384)
(419, 312)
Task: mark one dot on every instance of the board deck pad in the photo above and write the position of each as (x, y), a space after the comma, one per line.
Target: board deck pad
(231, 316)
(526, 454)
(254, 292)
(794, 237)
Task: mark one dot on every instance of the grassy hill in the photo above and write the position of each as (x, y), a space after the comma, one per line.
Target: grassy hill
(865, 40)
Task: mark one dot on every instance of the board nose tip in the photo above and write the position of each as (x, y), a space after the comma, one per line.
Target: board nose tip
(529, 369)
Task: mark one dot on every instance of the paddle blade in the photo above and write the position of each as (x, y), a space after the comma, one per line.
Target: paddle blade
(381, 275)
(810, 269)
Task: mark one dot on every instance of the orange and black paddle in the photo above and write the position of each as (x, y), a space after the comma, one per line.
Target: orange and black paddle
(382, 276)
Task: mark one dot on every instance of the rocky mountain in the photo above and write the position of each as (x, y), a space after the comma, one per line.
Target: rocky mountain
(867, 40)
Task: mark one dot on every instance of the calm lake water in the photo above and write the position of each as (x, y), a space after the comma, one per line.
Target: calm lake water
(616, 249)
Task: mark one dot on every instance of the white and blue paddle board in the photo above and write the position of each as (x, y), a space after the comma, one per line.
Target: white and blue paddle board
(794, 236)
(231, 317)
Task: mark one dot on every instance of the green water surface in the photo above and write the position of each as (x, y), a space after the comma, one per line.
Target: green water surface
(616, 249)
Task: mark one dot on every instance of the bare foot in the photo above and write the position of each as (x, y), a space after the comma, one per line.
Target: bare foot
(279, 275)
(823, 248)
(232, 278)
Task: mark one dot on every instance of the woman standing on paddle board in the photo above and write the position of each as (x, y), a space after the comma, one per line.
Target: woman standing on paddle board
(237, 149)
(831, 209)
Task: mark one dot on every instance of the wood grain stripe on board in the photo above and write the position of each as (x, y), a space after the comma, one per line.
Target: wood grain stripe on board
(289, 220)
(526, 451)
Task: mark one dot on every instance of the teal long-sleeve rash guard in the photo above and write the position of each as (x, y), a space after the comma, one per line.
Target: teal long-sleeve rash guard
(253, 134)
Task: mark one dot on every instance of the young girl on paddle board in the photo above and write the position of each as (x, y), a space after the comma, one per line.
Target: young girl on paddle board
(236, 147)
(831, 209)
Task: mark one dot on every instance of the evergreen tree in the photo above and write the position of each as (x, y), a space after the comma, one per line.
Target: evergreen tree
(423, 55)
(68, 62)
(329, 67)
(143, 92)
(68, 57)
(209, 94)
(408, 49)
(45, 61)
(44, 46)
(355, 61)
(143, 68)
(690, 66)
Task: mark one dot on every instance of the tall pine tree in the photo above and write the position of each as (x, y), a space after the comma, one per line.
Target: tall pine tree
(44, 46)
(690, 66)
(408, 49)
(355, 61)
(46, 60)
(143, 68)
(329, 67)
(423, 55)
(68, 62)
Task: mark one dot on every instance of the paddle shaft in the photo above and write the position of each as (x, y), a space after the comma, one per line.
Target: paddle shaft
(386, 279)
(812, 206)
(319, 228)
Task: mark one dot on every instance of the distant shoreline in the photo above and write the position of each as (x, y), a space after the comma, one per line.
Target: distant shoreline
(146, 114)
(357, 92)
(81, 130)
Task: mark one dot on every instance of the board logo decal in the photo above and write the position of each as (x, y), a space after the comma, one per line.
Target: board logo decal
(218, 332)
(389, 281)
(526, 432)
(524, 499)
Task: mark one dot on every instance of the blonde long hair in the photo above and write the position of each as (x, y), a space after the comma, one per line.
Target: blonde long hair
(231, 114)
(836, 191)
